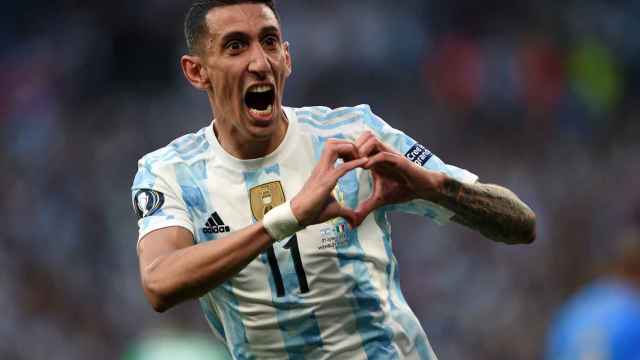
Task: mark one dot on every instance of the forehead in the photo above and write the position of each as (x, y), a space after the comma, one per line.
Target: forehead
(240, 18)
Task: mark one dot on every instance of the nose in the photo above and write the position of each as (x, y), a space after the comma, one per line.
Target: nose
(259, 63)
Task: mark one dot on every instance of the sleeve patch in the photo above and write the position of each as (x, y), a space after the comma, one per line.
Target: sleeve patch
(418, 154)
(146, 202)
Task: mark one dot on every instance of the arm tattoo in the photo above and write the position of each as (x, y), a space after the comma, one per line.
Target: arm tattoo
(494, 211)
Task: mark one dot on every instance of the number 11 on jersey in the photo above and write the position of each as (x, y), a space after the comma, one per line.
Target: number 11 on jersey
(263, 198)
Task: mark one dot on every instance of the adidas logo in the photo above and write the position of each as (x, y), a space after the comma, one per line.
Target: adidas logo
(215, 225)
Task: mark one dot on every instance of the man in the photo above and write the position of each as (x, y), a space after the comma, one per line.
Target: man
(275, 217)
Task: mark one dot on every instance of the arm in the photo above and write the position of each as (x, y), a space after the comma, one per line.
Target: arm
(172, 269)
(494, 211)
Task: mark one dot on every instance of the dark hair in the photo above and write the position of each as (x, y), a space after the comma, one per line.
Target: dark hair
(195, 24)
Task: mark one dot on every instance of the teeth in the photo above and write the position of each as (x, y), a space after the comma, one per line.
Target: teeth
(260, 88)
(264, 112)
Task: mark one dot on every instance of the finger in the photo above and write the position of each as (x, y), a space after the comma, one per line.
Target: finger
(373, 201)
(371, 147)
(335, 149)
(347, 151)
(380, 158)
(363, 138)
(366, 207)
(341, 170)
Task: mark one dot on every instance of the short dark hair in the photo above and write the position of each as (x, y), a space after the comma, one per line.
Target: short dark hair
(195, 24)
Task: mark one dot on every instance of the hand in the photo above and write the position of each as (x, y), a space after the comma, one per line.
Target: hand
(395, 178)
(314, 203)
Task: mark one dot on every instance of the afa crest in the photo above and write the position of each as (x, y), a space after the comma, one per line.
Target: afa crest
(265, 197)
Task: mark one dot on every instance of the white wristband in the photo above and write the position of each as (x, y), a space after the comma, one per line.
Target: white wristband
(280, 222)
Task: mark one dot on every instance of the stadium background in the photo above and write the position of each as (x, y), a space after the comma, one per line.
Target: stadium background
(541, 96)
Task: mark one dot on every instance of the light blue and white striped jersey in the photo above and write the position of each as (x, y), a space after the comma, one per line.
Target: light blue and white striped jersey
(335, 294)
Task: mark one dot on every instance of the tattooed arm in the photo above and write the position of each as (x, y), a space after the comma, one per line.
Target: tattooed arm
(493, 210)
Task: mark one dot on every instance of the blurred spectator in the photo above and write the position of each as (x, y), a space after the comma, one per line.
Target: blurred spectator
(602, 320)
(456, 72)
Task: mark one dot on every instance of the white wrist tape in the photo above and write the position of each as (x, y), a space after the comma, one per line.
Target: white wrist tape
(280, 222)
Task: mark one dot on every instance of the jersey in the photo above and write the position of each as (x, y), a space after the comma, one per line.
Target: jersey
(328, 292)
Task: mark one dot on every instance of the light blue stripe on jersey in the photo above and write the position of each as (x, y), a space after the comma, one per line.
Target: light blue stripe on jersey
(299, 326)
(145, 178)
(376, 337)
(196, 198)
(303, 119)
(232, 320)
(230, 309)
(332, 120)
(400, 316)
(187, 147)
(211, 316)
(191, 192)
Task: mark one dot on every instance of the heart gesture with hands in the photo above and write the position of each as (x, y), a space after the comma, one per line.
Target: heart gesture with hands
(395, 179)
(314, 203)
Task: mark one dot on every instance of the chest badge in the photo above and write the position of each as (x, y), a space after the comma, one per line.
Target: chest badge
(265, 197)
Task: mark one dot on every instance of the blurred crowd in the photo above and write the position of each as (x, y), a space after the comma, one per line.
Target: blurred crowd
(540, 96)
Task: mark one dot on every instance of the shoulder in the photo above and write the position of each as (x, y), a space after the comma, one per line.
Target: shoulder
(326, 121)
(187, 150)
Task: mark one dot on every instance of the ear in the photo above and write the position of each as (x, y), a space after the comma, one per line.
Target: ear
(195, 72)
(287, 58)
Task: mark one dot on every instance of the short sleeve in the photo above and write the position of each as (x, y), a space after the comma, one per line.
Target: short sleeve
(420, 155)
(155, 202)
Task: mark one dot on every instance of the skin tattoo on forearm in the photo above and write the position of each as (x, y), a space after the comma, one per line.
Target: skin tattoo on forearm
(494, 211)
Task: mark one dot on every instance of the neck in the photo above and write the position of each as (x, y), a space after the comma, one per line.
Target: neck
(246, 147)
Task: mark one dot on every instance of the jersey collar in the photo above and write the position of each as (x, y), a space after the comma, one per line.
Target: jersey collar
(287, 144)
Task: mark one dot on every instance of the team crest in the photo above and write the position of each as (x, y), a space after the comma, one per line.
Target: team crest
(146, 202)
(265, 197)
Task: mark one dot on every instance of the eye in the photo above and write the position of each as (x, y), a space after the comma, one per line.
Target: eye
(270, 41)
(235, 45)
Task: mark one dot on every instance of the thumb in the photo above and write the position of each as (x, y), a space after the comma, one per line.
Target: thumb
(372, 202)
(365, 208)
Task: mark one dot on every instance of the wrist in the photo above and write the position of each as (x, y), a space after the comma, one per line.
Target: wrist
(433, 186)
(296, 210)
(450, 189)
(280, 222)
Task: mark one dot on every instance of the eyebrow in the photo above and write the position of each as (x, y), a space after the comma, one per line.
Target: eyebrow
(235, 35)
(269, 29)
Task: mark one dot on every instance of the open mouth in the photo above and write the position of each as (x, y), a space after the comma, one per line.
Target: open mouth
(259, 99)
